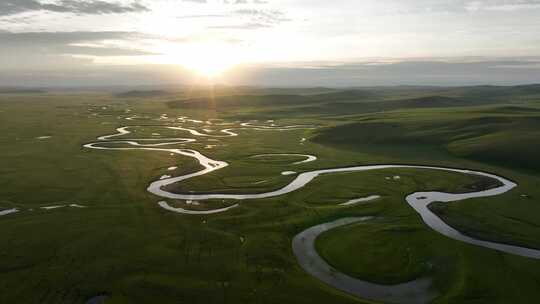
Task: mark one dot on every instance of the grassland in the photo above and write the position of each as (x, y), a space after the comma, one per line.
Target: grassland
(125, 246)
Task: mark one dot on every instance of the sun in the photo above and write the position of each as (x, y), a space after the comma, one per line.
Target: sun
(210, 65)
(209, 60)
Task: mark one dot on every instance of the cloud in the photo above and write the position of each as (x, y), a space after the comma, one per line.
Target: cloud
(392, 7)
(244, 2)
(202, 16)
(93, 7)
(501, 5)
(96, 44)
(263, 16)
(51, 38)
(100, 51)
(252, 19)
(243, 26)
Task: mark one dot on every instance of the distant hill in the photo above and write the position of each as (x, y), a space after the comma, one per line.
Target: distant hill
(14, 90)
(142, 94)
(433, 102)
(497, 92)
(527, 89)
(239, 101)
(334, 107)
(345, 95)
(409, 103)
(283, 100)
(508, 139)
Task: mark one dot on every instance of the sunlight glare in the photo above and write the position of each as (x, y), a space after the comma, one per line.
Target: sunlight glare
(209, 66)
(208, 60)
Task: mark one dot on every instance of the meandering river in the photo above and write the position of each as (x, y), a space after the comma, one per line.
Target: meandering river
(417, 291)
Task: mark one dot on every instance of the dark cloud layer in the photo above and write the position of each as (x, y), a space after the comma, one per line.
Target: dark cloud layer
(423, 73)
(51, 38)
(433, 72)
(42, 48)
(93, 7)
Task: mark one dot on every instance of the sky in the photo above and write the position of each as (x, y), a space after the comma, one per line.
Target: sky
(269, 42)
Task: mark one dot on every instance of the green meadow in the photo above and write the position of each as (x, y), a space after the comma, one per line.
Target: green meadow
(124, 246)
